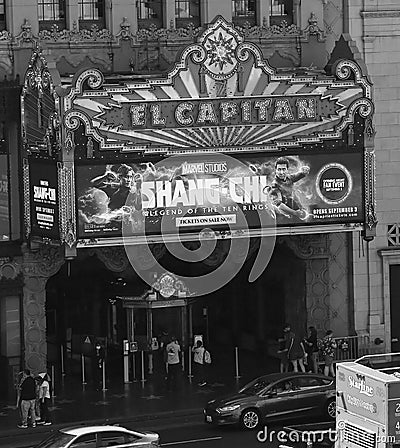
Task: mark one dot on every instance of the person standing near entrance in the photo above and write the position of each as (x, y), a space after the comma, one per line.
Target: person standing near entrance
(198, 363)
(294, 349)
(173, 363)
(311, 346)
(44, 399)
(328, 346)
(28, 400)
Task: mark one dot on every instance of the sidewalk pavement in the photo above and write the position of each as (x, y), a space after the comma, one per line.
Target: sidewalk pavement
(75, 403)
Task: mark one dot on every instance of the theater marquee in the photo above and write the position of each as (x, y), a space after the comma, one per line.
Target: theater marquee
(221, 108)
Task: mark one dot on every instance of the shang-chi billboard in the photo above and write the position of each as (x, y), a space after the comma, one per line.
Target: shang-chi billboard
(187, 194)
(44, 199)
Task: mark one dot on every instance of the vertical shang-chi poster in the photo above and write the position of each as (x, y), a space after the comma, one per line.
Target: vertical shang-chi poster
(188, 194)
(44, 199)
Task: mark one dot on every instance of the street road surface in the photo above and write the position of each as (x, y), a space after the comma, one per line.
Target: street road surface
(182, 432)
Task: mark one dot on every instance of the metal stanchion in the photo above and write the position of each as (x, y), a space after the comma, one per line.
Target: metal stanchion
(183, 361)
(104, 376)
(237, 363)
(190, 364)
(62, 360)
(53, 380)
(83, 369)
(143, 380)
(134, 379)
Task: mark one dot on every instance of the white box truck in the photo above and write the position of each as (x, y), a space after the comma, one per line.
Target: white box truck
(368, 402)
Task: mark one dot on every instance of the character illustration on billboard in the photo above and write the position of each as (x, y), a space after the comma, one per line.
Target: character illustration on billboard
(118, 185)
(283, 192)
(106, 198)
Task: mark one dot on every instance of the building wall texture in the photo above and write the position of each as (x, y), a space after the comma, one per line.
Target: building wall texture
(375, 26)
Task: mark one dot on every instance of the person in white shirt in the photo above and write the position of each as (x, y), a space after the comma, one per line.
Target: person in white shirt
(44, 399)
(173, 361)
(198, 362)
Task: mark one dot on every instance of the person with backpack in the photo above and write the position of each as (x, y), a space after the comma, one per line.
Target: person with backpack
(28, 400)
(327, 347)
(201, 359)
(44, 399)
(173, 351)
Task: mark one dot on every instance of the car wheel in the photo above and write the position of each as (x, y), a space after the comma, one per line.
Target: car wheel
(330, 408)
(250, 419)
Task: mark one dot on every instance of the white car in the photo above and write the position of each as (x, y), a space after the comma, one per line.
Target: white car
(99, 437)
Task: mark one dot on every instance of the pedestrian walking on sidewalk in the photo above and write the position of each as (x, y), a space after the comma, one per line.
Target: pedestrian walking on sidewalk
(28, 400)
(44, 399)
(173, 363)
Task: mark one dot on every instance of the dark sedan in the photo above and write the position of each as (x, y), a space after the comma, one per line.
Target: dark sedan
(276, 396)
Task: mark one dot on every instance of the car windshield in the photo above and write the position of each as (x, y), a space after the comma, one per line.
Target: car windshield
(56, 440)
(255, 386)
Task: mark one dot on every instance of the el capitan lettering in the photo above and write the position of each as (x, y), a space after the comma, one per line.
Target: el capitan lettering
(256, 110)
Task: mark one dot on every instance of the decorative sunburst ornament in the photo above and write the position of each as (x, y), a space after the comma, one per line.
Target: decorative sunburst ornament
(221, 51)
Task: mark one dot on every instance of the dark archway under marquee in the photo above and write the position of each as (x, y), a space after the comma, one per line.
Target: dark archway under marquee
(84, 300)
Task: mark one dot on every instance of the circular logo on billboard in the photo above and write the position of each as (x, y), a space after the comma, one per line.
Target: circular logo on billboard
(334, 183)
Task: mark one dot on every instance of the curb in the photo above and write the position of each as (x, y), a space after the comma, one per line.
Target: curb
(104, 421)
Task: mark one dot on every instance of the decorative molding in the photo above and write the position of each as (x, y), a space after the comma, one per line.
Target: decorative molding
(67, 213)
(371, 219)
(114, 258)
(125, 31)
(380, 14)
(27, 197)
(38, 76)
(307, 246)
(5, 35)
(94, 34)
(45, 262)
(26, 35)
(268, 32)
(169, 285)
(313, 29)
(98, 36)
(9, 269)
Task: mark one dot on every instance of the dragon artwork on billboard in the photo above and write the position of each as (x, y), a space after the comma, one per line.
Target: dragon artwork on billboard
(197, 192)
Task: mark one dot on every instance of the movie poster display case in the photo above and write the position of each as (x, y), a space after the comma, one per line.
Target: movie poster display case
(222, 146)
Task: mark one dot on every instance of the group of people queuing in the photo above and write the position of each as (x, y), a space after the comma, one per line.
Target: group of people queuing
(303, 354)
(170, 361)
(33, 399)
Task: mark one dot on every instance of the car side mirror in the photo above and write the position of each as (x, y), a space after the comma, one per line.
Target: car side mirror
(272, 393)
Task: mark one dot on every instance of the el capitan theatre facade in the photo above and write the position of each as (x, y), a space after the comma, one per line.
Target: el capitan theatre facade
(223, 146)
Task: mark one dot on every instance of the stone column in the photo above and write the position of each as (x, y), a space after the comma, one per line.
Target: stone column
(72, 14)
(169, 14)
(37, 268)
(263, 12)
